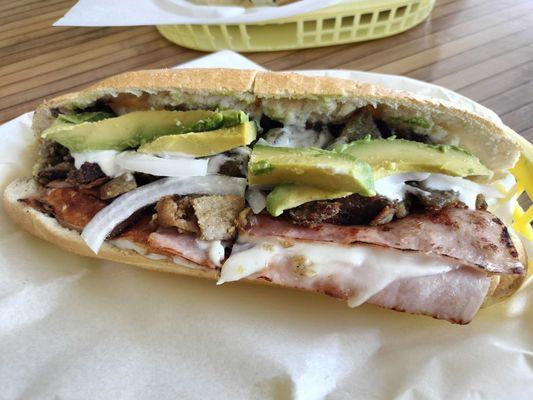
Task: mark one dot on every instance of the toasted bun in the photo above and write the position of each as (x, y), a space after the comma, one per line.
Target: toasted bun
(297, 98)
(48, 228)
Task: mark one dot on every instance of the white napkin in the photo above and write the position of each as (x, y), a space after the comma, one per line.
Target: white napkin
(76, 328)
(175, 12)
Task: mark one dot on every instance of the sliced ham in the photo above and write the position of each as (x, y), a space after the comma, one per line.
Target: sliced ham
(414, 282)
(170, 241)
(476, 238)
(455, 296)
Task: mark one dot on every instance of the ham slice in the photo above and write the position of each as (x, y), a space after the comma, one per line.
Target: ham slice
(476, 238)
(455, 296)
(170, 241)
(413, 282)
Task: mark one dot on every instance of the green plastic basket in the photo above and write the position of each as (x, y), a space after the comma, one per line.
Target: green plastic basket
(342, 23)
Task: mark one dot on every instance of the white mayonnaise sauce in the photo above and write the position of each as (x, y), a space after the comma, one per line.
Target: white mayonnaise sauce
(215, 250)
(295, 136)
(360, 271)
(394, 187)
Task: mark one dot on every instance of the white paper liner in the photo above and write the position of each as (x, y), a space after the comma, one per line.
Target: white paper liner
(176, 12)
(76, 328)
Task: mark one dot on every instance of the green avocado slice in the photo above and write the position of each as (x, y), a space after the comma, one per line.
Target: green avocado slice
(201, 144)
(289, 195)
(312, 167)
(392, 156)
(133, 129)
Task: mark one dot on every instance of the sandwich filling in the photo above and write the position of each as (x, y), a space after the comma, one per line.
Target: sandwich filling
(373, 207)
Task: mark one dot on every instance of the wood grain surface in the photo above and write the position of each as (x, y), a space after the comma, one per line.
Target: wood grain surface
(480, 48)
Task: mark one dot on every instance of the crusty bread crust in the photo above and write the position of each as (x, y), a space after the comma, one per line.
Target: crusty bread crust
(496, 145)
(48, 228)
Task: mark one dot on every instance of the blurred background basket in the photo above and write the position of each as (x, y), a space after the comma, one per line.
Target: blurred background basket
(342, 23)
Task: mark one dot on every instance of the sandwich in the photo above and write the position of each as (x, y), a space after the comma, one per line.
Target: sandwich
(338, 187)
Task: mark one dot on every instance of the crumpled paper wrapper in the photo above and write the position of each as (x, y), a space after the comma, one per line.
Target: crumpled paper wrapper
(176, 12)
(77, 328)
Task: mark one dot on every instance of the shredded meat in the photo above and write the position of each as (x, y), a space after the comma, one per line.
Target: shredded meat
(131, 221)
(72, 208)
(117, 186)
(177, 212)
(56, 163)
(212, 217)
(481, 204)
(144, 179)
(233, 167)
(314, 213)
(88, 174)
(139, 231)
(360, 125)
(434, 200)
(401, 131)
(375, 210)
(351, 210)
(216, 215)
(55, 172)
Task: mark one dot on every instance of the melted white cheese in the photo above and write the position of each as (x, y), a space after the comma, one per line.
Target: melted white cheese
(126, 244)
(360, 271)
(394, 187)
(106, 160)
(216, 252)
(214, 248)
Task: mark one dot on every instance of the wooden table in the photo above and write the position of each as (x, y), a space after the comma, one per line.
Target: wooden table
(480, 48)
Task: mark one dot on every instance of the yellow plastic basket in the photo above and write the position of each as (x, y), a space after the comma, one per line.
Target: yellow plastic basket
(342, 23)
(522, 219)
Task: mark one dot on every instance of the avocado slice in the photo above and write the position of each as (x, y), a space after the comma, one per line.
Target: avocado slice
(83, 117)
(392, 156)
(231, 118)
(135, 128)
(201, 144)
(289, 195)
(313, 167)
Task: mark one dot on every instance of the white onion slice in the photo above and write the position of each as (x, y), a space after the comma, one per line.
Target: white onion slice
(149, 164)
(256, 199)
(124, 206)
